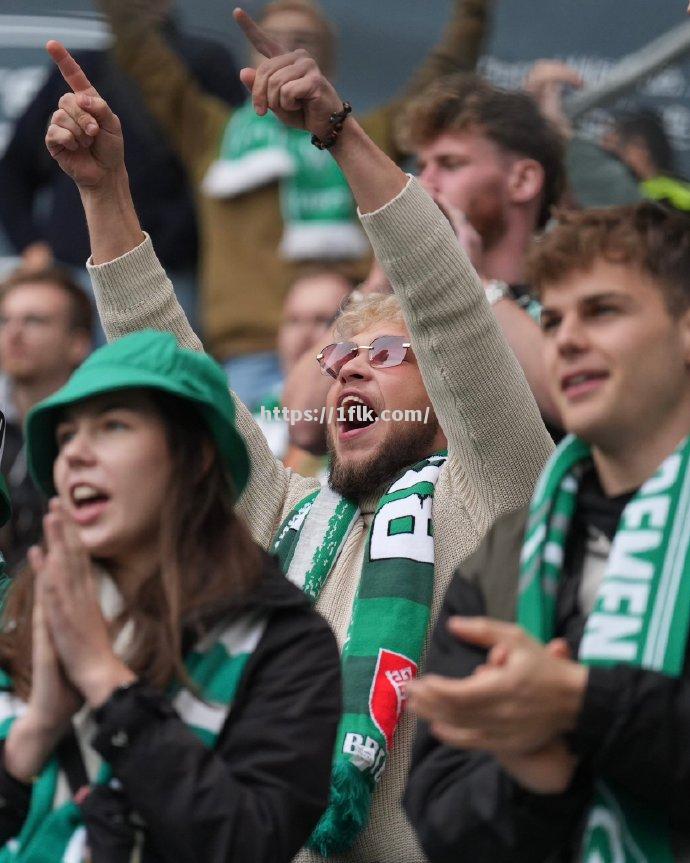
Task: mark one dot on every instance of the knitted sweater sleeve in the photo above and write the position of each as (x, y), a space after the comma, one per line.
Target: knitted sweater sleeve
(133, 293)
(497, 442)
(192, 119)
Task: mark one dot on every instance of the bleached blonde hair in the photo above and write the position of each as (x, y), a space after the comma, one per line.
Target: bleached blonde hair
(361, 312)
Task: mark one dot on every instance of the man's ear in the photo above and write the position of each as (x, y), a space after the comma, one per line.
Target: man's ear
(525, 181)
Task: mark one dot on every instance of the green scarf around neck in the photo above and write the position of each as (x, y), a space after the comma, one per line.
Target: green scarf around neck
(316, 203)
(216, 665)
(389, 622)
(640, 617)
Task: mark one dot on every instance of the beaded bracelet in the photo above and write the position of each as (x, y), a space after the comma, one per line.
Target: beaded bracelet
(336, 120)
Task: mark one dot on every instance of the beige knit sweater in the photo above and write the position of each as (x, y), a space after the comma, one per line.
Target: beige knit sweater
(497, 443)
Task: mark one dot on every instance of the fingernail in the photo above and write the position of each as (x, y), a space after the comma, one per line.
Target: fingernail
(91, 129)
(85, 101)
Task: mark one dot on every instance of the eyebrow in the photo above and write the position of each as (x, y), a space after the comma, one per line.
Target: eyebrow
(606, 296)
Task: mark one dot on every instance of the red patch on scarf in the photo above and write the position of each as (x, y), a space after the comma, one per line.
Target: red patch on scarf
(386, 698)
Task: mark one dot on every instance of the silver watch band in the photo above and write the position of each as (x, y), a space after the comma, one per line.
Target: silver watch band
(496, 290)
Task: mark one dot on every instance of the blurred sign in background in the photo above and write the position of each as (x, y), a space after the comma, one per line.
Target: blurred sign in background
(381, 42)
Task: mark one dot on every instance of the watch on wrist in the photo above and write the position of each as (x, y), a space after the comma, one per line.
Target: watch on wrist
(496, 290)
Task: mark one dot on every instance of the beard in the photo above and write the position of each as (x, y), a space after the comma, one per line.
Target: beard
(488, 219)
(361, 478)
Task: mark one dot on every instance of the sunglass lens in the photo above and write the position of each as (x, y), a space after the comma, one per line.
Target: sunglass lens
(335, 356)
(387, 351)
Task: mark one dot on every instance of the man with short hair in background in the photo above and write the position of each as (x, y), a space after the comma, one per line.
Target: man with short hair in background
(45, 333)
(312, 303)
(491, 154)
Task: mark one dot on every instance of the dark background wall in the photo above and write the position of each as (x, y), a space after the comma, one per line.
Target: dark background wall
(382, 40)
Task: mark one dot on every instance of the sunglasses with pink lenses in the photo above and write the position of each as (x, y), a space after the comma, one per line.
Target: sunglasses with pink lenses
(384, 352)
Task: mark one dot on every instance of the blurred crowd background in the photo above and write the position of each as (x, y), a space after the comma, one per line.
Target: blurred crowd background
(377, 42)
(378, 47)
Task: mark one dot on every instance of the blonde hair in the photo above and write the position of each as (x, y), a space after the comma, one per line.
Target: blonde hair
(363, 311)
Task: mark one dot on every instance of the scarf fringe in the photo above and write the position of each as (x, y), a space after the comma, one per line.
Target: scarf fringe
(347, 813)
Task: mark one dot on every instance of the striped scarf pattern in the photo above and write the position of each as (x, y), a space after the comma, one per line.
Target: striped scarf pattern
(640, 617)
(215, 666)
(318, 211)
(389, 622)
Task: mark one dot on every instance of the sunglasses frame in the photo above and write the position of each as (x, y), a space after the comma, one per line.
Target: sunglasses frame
(357, 348)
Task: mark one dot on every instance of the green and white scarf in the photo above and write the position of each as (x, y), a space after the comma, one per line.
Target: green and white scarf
(640, 617)
(390, 617)
(216, 665)
(318, 211)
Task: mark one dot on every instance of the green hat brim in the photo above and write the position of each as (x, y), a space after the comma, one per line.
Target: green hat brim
(103, 378)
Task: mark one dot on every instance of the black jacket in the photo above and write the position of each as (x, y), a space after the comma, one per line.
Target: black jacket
(29, 504)
(258, 795)
(634, 730)
(159, 185)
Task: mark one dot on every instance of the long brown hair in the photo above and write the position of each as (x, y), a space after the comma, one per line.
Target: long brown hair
(208, 562)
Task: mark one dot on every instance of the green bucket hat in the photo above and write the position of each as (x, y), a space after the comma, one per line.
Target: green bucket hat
(147, 359)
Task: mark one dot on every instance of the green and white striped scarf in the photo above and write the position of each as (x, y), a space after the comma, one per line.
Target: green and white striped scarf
(316, 203)
(389, 622)
(640, 617)
(216, 665)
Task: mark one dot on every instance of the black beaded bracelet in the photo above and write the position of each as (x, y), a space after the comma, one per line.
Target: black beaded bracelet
(336, 120)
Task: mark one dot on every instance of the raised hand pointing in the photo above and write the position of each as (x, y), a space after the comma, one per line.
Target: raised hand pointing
(84, 136)
(289, 83)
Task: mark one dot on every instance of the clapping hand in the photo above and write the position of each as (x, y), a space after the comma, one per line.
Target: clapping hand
(517, 705)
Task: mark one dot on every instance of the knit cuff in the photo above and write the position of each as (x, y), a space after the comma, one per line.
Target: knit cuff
(133, 293)
(129, 280)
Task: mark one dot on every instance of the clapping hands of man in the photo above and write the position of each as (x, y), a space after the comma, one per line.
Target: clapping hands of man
(517, 705)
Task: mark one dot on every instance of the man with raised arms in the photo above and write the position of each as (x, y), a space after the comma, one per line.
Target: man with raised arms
(407, 499)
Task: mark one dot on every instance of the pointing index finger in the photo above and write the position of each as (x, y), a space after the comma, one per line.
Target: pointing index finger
(70, 70)
(259, 39)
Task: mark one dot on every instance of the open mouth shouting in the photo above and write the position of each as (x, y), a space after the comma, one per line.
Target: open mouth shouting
(88, 502)
(355, 415)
